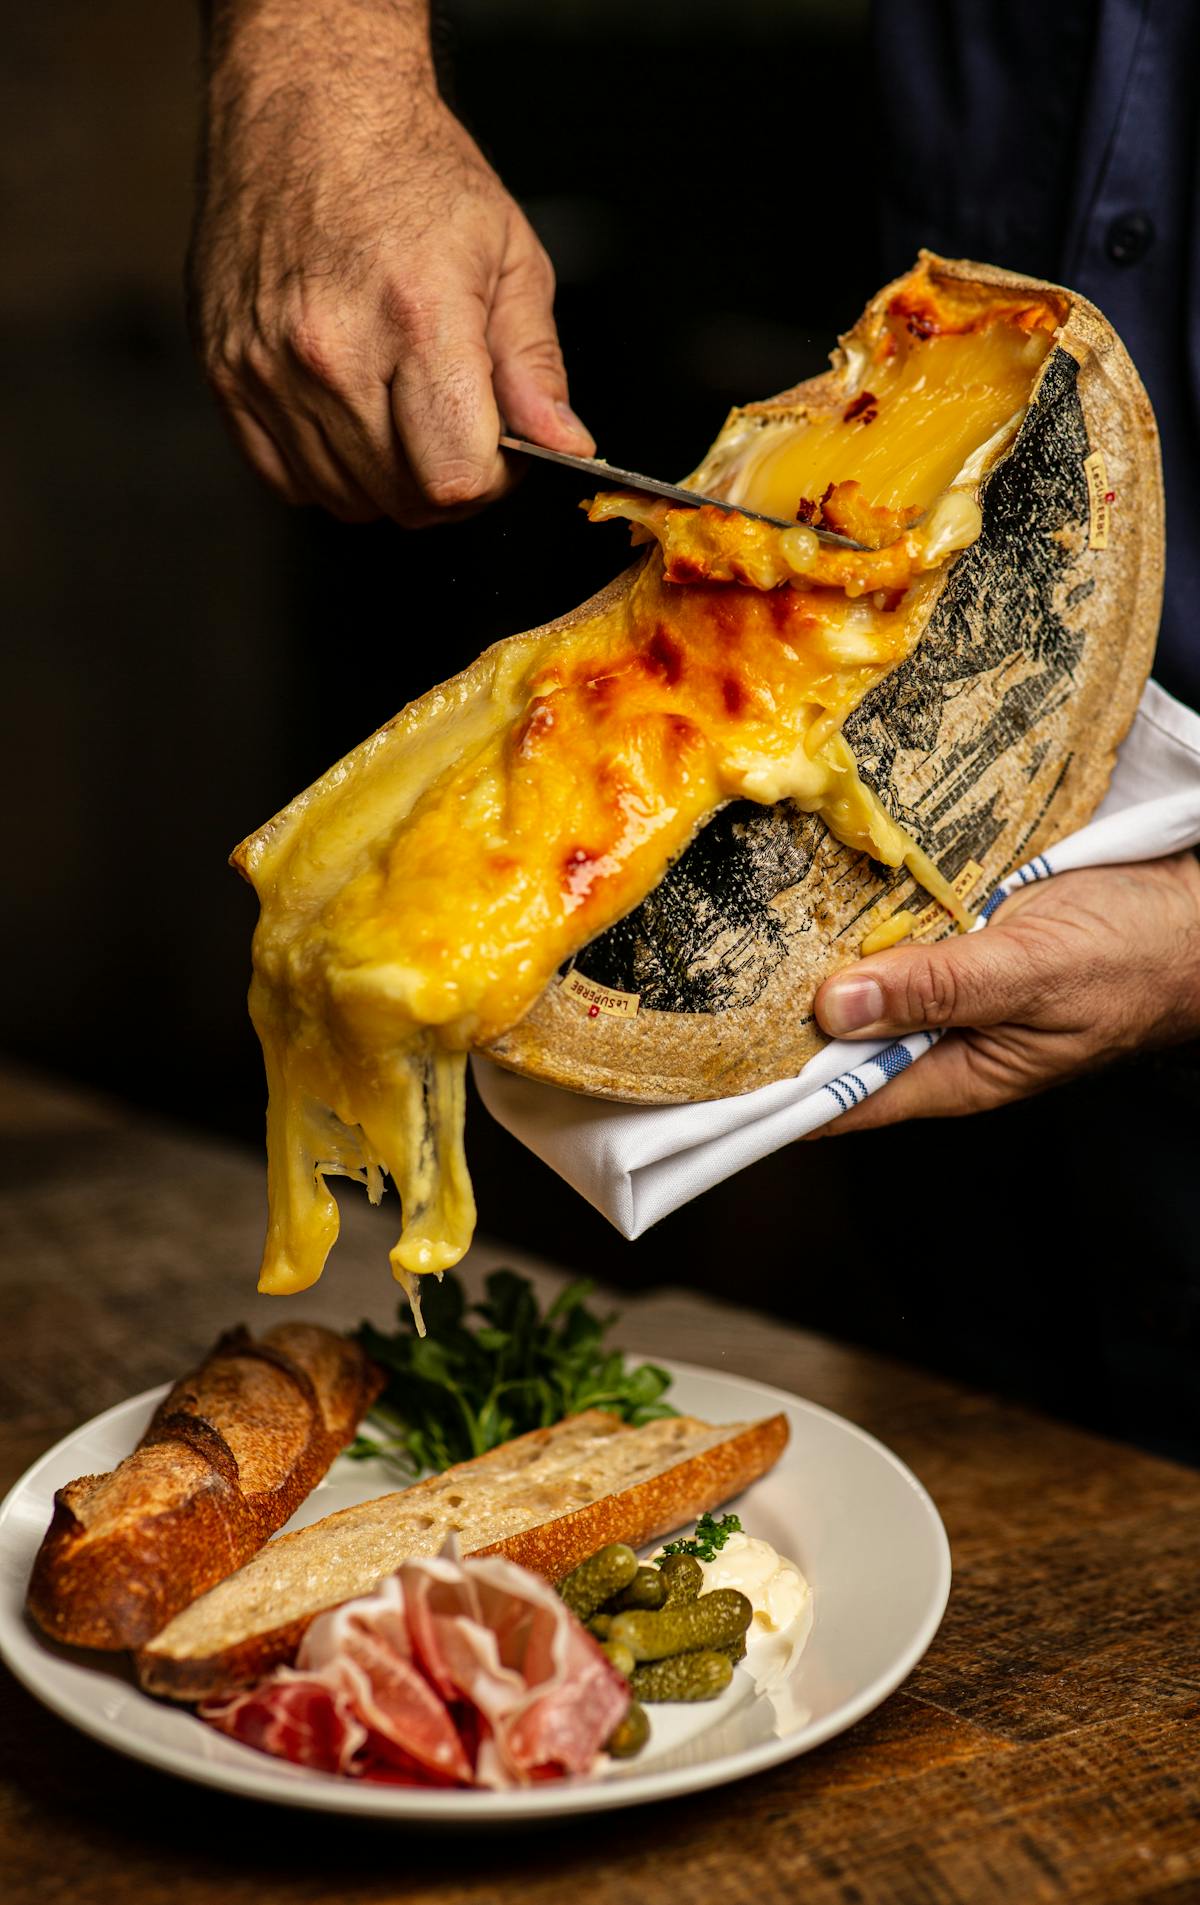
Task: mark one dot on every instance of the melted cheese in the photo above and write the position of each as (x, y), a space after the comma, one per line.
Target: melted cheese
(420, 897)
(889, 932)
(947, 370)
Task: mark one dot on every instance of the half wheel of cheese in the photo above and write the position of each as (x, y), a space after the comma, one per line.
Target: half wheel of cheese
(992, 739)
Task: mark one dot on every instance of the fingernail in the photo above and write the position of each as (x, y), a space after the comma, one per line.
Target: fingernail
(850, 1004)
(570, 421)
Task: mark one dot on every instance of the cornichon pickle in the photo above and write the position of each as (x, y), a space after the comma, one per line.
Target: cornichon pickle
(647, 1589)
(686, 1677)
(620, 1656)
(736, 1649)
(713, 1621)
(684, 1578)
(631, 1735)
(599, 1625)
(597, 1579)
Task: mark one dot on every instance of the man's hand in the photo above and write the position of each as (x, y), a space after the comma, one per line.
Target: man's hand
(367, 298)
(1080, 969)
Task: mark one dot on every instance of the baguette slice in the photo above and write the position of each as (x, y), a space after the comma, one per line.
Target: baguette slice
(229, 1455)
(547, 1500)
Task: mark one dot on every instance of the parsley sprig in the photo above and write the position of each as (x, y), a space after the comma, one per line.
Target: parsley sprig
(709, 1536)
(490, 1370)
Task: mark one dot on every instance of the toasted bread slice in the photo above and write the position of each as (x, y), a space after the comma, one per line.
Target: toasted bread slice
(547, 1500)
(229, 1455)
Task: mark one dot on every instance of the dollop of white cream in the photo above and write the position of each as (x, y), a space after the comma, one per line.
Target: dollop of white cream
(781, 1599)
(774, 1586)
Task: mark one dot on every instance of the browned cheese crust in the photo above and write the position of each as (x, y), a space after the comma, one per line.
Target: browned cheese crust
(229, 1455)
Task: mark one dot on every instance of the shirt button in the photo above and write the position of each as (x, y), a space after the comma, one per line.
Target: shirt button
(1129, 238)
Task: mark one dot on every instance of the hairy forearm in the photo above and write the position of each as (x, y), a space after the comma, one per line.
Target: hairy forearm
(300, 92)
(224, 18)
(270, 38)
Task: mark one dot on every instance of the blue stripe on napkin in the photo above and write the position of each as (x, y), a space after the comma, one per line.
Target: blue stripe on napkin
(854, 1087)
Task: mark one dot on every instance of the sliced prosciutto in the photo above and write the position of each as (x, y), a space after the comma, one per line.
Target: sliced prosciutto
(295, 1717)
(451, 1673)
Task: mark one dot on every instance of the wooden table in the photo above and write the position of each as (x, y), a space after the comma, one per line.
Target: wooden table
(1045, 1748)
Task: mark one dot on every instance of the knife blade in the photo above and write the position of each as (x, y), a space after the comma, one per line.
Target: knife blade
(610, 477)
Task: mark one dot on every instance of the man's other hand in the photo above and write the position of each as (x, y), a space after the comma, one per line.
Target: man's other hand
(367, 299)
(1083, 968)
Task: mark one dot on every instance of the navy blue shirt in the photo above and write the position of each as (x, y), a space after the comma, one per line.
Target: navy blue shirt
(1063, 139)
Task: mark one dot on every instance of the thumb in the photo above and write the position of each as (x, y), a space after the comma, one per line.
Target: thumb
(528, 375)
(442, 401)
(979, 979)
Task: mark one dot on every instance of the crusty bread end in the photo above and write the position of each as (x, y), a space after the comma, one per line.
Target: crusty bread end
(228, 1456)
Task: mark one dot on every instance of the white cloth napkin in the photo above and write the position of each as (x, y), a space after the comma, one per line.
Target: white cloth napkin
(636, 1163)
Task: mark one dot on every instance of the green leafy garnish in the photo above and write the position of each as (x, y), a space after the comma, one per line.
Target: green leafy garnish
(709, 1536)
(491, 1370)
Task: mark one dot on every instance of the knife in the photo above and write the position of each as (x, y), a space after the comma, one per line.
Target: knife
(610, 477)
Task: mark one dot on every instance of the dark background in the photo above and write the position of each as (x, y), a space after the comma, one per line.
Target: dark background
(182, 653)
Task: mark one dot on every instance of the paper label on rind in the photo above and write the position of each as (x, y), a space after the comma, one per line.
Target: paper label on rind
(1099, 500)
(598, 998)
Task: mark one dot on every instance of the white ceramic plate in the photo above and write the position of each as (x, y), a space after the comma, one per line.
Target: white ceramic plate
(858, 1522)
